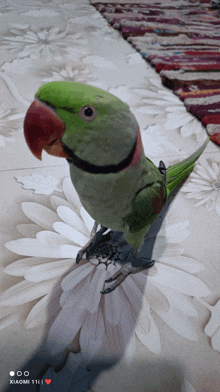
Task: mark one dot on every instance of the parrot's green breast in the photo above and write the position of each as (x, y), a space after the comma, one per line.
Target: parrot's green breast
(108, 197)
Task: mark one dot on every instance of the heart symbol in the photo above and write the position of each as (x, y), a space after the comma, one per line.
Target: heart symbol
(48, 381)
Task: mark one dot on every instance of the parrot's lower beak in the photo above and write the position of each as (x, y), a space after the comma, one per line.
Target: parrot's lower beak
(43, 129)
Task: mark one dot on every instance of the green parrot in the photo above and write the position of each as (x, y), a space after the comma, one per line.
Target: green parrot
(118, 186)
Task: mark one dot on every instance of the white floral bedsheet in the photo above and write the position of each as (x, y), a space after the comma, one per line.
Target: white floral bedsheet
(175, 315)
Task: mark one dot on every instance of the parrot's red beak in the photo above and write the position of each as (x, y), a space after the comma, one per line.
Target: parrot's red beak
(43, 129)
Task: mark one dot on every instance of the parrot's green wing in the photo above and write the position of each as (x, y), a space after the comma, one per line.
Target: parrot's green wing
(146, 205)
(176, 173)
(145, 208)
(149, 201)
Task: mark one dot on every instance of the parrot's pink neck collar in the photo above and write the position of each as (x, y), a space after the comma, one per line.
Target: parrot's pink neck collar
(137, 152)
(129, 162)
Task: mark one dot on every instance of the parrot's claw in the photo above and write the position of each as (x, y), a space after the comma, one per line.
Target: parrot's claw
(162, 169)
(81, 252)
(90, 246)
(122, 274)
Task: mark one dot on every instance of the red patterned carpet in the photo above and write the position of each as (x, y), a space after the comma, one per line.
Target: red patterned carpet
(181, 40)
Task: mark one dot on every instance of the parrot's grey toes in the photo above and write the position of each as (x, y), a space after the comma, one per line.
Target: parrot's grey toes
(82, 251)
(98, 239)
(122, 274)
(91, 244)
(118, 277)
(113, 277)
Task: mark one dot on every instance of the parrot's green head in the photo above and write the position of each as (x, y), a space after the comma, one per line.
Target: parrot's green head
(69, 118)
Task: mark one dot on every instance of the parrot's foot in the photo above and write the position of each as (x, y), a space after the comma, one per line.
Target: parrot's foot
(162, 169)
(123, 272)
(93, 243)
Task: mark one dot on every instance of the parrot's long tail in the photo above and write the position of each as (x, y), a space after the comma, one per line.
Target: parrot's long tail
(176, 173)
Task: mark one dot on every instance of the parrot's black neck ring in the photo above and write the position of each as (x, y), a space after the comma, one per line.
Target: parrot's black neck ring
(95, 169)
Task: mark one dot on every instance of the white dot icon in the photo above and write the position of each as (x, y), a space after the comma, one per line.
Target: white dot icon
(12, 373)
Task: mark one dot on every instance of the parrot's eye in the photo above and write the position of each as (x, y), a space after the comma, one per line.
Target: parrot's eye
(88, 113)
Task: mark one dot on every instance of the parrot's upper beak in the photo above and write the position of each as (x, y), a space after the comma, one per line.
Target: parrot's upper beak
(43, 129)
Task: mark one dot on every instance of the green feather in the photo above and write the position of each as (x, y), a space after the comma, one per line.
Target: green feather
(176, 173)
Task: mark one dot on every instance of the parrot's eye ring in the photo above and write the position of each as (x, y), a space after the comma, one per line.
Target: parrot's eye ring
(88, 113)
